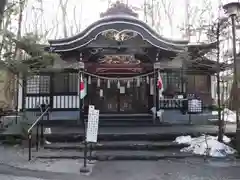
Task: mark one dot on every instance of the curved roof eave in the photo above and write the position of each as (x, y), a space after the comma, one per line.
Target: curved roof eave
(115, 19)
(92, 35)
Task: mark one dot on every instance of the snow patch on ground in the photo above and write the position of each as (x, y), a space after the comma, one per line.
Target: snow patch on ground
(183, 140)
(226, 114)
(206, 145)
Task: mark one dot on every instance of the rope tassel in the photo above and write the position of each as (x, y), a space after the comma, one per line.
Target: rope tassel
(98, 82)
(128, 84)
(147, 80)
(108, 84)
(89, 80)
(138, 81)
(118, 84)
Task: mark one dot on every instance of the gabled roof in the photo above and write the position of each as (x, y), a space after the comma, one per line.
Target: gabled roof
(119, 18)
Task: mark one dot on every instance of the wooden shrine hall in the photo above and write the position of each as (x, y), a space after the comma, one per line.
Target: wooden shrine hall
(121, 58)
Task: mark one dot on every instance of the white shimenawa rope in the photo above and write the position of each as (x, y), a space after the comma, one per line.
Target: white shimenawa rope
(117, 78)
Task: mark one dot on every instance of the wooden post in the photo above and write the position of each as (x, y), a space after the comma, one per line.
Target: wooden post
(80, 68)
(154, 95)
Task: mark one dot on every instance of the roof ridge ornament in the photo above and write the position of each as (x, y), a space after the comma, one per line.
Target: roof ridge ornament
(119, 8)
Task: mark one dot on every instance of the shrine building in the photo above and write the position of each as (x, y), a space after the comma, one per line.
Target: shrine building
(121, 59)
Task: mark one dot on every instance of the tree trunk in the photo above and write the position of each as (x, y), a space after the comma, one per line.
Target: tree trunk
(11, 84)
(3, 4)
(235, 91)
(64, 16)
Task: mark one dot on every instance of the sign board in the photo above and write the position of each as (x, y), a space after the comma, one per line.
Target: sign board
(92, 126)
(91, 108)
(168, 64)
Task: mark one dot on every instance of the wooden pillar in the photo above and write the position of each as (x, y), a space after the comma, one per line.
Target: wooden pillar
(24, 91)
(154, 94)
(155, 89)
(139, 102)
(81, 101)
(118, 96)
(182, 80)
(51, 89)
(88, 90)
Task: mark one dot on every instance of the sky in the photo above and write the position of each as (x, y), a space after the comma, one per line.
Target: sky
(81, 13)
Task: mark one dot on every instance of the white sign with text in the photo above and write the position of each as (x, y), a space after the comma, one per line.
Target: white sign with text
(92, 126)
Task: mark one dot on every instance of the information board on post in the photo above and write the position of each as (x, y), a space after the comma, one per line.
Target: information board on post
(92, 126)
(91, 108)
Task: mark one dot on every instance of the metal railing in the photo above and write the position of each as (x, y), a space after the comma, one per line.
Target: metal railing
(39, 121)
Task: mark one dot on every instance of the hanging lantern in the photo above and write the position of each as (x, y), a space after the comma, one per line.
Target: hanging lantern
(98, 82)
(128, 84)
(147, 79)
(89, 79)
(138, 81)
(118, 84)
(108, 83)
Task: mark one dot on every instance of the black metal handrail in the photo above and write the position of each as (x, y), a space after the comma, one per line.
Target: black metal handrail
(36, 123)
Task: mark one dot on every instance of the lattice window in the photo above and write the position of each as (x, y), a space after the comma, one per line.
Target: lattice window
(38, 84)
(164, 77)
(33, 84)
(172, 79)
(44, 84)
(65, 82)
(73, 82)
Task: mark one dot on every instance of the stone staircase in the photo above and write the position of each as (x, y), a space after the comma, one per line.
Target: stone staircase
(134, 150)
(114, 146)
(121, 137)
(108, 120)
(125, 120)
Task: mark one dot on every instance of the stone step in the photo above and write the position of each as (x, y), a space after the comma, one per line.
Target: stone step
(108, 123)
(102, 122)
(113, 155)
(137, 133)
(139, 155)
(124, 116)
(118, 145)
(78, 137)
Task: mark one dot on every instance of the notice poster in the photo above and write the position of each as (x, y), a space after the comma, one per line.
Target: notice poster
(92, 127)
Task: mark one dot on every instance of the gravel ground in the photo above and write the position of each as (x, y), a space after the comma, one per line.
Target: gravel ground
(14, 166)
(18, 157)
(9, 177)
(188, 169)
